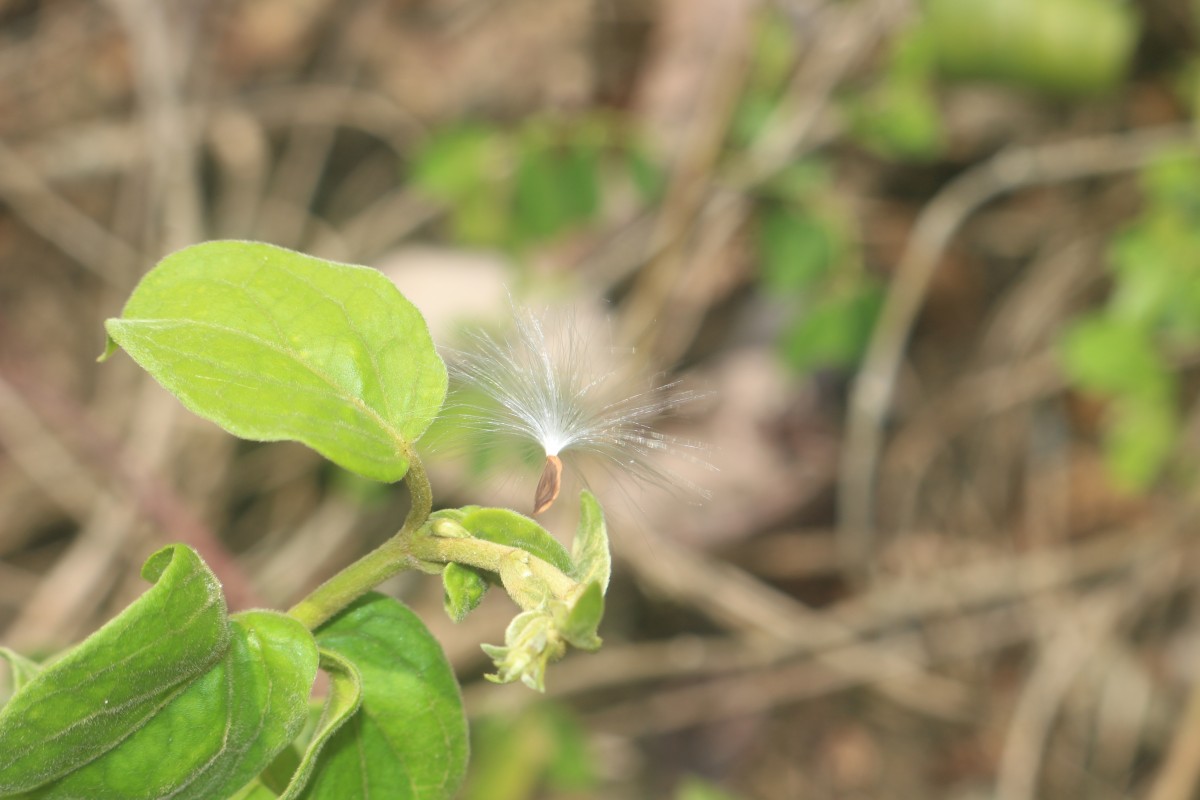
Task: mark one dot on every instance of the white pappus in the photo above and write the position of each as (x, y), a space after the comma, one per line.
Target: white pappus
(548, 385)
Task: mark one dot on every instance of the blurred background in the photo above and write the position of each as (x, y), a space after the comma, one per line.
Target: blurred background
(933, 267)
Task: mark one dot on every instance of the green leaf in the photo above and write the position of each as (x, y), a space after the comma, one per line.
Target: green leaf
(21, 668)
(274, 345)
(228, 726)
(507, 527)
(221, 730)
(118, 679)
(579, 629)
(464, 590)
(590, 552)
(170, 698)
(409, 738)
(345, 698)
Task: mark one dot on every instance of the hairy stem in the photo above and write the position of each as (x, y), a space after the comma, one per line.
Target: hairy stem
(491, 556)
(376, 566)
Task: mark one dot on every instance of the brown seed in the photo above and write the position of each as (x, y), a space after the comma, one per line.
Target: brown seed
(548, 486)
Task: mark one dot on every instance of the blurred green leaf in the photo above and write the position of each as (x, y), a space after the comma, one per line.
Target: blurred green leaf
(1069, 47)
(1173, 181)
(773, 57)
(801, 183)
(898, 119)
(835, 332)
(543, 746)
(1102, 354)
(556, 186)
(1141, 433)
(483, 218)
(797, 250)
(580, 182)
(454, 163)
(538, 207)
(648, 178)
(693, 788)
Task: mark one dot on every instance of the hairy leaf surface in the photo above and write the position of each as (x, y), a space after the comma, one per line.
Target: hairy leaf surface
(170, 699)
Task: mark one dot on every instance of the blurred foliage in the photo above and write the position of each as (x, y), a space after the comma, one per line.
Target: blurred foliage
(515, 188)
(810, 261)
(805, 242)
(772, 63)
(541, 748)
(696, 789)
(1122, 351)
(897, 117)
(1065, 47)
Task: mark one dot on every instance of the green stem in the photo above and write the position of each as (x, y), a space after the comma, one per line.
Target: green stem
(376, 566)
(490, 556)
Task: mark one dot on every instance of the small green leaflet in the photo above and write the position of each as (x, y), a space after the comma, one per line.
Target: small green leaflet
(590, 552)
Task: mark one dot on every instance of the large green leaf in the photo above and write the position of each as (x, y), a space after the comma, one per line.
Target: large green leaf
(117, 680)
(272, 345)
(408, 741)
(170, 699)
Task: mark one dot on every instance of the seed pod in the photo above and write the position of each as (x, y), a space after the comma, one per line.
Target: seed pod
(548, 486)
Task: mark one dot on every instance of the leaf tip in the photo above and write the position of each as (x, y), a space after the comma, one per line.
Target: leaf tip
(110, 344)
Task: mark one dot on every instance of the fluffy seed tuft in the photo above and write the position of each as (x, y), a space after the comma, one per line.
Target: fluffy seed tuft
(547, 384)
